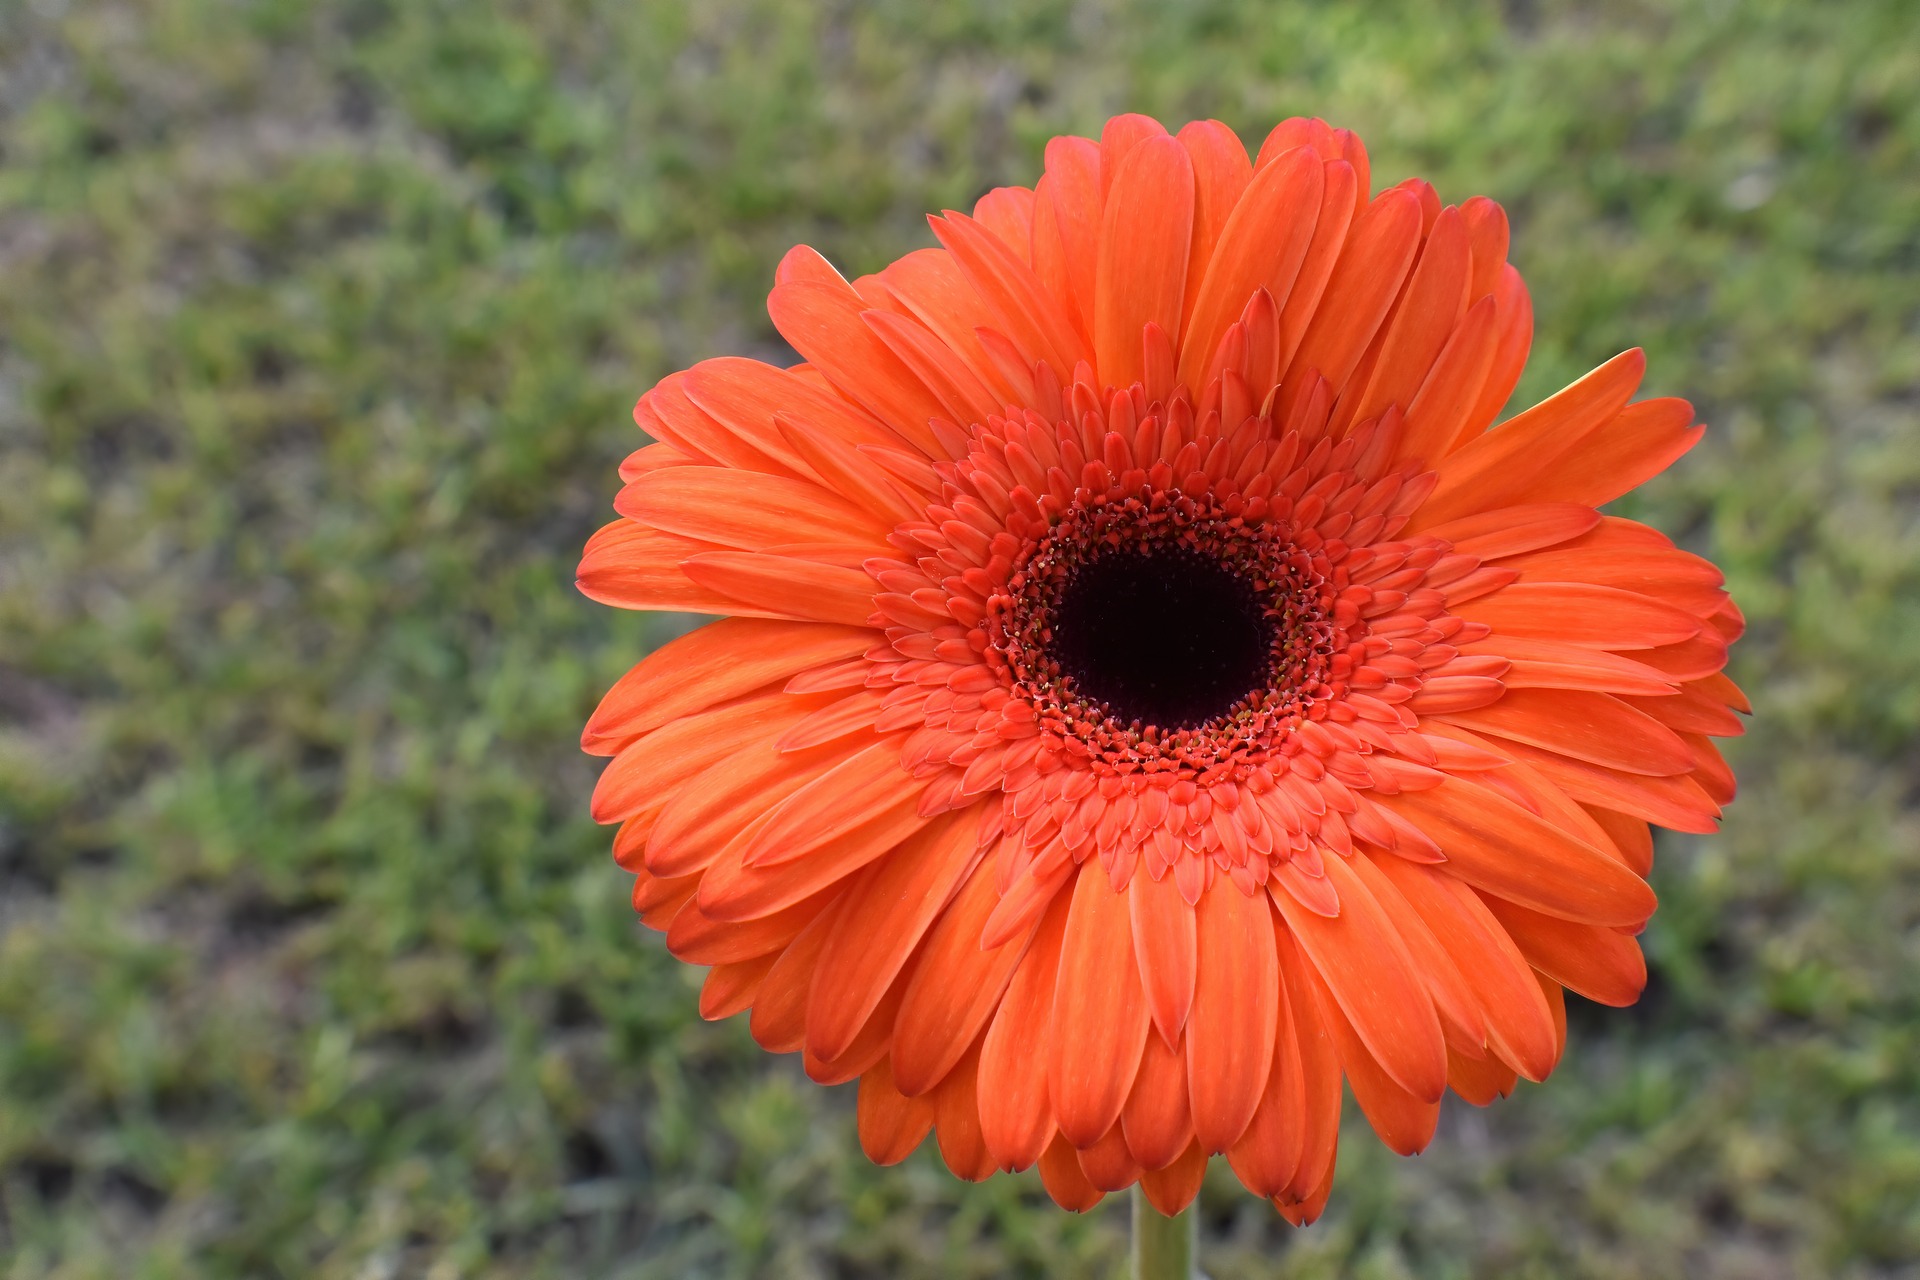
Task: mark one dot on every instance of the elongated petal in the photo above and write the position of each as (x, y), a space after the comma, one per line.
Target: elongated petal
(956, 987)
(1368, 970)
(1164, 946)
(1144, 240)
(1230, 1037)
(1100, 1013)
(882, 920)
(1016, 1113)
(1494, 844)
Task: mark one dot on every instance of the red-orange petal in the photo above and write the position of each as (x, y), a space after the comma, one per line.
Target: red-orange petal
(1100, 1016)
(1016, 1114)
(1164, 946)
(1366, 967)
(1144, 239)
(1235, 1004)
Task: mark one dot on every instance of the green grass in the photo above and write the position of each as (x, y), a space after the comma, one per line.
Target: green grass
(319, 325)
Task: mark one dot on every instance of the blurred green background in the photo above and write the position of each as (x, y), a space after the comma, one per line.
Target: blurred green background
(319, 327)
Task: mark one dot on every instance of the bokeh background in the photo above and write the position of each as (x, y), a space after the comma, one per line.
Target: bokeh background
(319, 327)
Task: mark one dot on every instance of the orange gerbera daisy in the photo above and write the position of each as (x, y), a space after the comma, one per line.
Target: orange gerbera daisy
(1150, 694)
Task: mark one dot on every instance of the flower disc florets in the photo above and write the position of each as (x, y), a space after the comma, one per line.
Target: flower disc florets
(1163, 542)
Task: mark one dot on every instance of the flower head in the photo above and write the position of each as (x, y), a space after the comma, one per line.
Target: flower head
(1148, 692)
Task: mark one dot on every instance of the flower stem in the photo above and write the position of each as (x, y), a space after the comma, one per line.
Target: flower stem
(1163, 1247)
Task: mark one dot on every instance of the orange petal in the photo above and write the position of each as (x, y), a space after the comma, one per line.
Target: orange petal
(643, 777)
(1487, 229)
(731, 890)
(1601, 964)
(1027, 313)
(1630, 835)
(745, 396)
(1596, 727)
(1503, 468)
(1015, 1115)
(651, 458)
(779, 1021)
(1320, 1078)
(930, 286)
(1157, 1120)
(966, 396)
(887, 911)
(892, 1125)
(1221, 172)
(1108, 1164)
(1577, 613)
(1172, 1189)
(1144, 238)
(1480, 1080)
(711, 665)
(1163, 944)
(1268, 1153)
(1261, 246)
(1678, 802)
(1513, 339)
(1644, 440)
(1450, 989)
(1404, 1122)
(823, 324)
(1339, 190)
(1494, 844)
(956, 986)
(1235, 1003)
(1433, 303)
(697, 938)
(956, 1112)
(1364, 284)
(781, 586)
(1008, 213)
(729, 988)
(1506, 531)
(1367, 968)
(865, 782)
(1099, 1012)
(1065, 1181)
(669, 413)
(711, 808)
(629, 565)
(1547, 664)
(1066, 230)
(1518, 1025)
(1446, 397)
(746, 509)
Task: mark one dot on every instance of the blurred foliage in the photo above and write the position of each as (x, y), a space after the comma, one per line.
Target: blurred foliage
(319, 323)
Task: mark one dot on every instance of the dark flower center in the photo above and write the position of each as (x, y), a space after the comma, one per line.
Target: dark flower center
(1162, 635)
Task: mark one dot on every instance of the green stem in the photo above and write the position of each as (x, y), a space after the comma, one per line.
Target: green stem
(1163, 1247)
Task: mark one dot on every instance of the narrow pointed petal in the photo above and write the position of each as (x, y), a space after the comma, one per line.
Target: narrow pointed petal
(1372, 265)
(1100, 1016)
(1504, 466)
(1230, 1036)
(1262, 246)
(892, 1125)
(1144, 241)
(1368, 970)
(956, 986)
(1016, 1113)
(1163, 945)
(882, 920)
(1171, 1189)
(1494, 844)
(1603, 965)
(1268, 1153)
(1157, 1119)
